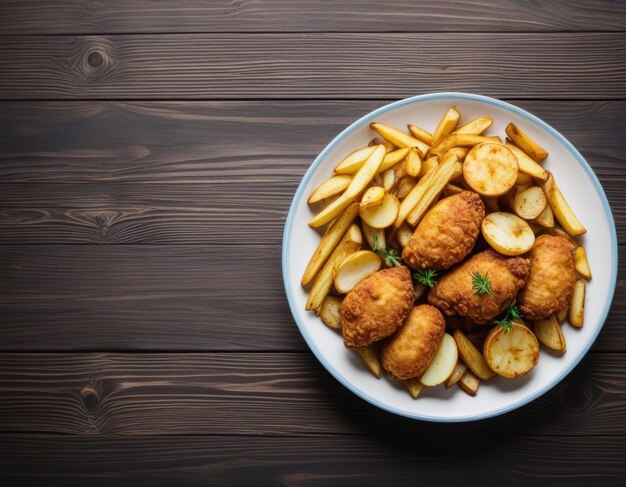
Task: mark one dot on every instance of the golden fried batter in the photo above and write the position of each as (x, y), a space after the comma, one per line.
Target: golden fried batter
(454, 294)
(377, 306)
(551, 280)
(447, 232)
(409, 351)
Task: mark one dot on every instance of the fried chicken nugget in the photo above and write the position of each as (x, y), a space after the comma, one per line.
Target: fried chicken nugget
(551, 280)
(447, 233)
(455, 294)
(377, 306)
(409, 351)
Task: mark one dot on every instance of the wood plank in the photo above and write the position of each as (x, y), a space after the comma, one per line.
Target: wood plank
(333, 461)
(276, 394)
(143, 16)
(328, 65)
(136, 297)
(228, 142)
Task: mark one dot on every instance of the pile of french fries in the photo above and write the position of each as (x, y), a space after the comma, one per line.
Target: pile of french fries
(379, 194)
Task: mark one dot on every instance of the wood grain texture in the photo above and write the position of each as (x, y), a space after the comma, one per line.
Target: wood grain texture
(329, 65)
(143, 16)
(333, 461)
(136, 297)
(264, 394)
(229, 142)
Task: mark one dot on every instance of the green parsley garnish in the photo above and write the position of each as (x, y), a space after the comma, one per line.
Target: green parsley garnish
(390, 255)
(428, 277)
(481, 284)
(512, 313)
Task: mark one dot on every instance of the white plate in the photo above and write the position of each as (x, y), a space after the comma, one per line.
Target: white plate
(497, 396)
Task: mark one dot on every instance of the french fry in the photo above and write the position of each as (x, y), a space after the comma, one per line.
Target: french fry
(460, 140)
(329, 241)
(472, 357)
(460, 152)
(420, 134)
(398, 137)
(524, 142)
(447, 171)
(456, 374)
(404, 187)
(404, 234)
(548, 331)
(413, 163)
(412, 199)
(546, 218)
(576, 312)
(371, 233)
(469, 383)
(475, 127)
(428, 164)
(351, 164)
(359, 182)
(328, 188)
(388, 145)
(370, 358)
(563, 213)
(350, 243)
(582, 264)
(447, 124)
(414, 386)
(526, 164)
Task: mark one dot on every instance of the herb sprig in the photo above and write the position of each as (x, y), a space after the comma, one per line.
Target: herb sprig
(511, 314)
(428, 277)
(481, 284)
(391, 256)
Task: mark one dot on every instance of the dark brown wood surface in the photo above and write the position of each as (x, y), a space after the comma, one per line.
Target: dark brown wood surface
(149, 152)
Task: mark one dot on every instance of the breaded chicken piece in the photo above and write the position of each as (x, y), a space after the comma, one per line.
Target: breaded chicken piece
(551, 280)
(447, 233)
(455, 294)
(409, 351)
(377, 306)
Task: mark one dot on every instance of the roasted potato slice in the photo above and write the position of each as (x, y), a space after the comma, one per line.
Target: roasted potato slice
(548, 331)
(582, 264)
(374, 233)
(330, 312)
(399, 138)
(546, 218)
(507, 233)
(530, 203)
(475, 127)
(369, 355)
(354, 268)
(373, 196)
(524, 142)
(563, 213)
(490, 169)
(404, 234)
(447, 124)
(442, 364)
(382, 215)
(511, 352)
(469, 383)
(472, 357)
(576, 312)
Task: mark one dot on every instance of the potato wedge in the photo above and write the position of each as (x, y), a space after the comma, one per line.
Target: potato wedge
(389, 147)
(562, 314)
(414, 386)
(420, 134)
(404, 187)
(447, 124)
(576, 312)
(457, 373)
(412, 199)
(442, 364)
(472, 357)
(523, 179)
(460, 140)
(371, 233)
(359, 182)
(353, 162)
(525, 163)
(524, 142)
(460, 152)
(490, 169)
(328, 188)
(393, 158)
(530, 203)
(350, 243)
(404, 234)
(511, 353)
(373, 196)
(582, 264)
(444, 173)
(382, 215)
(563, 213)
(413, 163)
(399, 138)
(428, 164)
(354, 268)
(475, 127)
(369, 355)
(507, 233)
(330, 312)
(389, 179)
(546, 218)
(548, 331)
(469, 383)
(329, 241)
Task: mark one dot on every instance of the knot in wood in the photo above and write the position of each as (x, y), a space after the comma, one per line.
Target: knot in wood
(90, 399)
(97, 59)
(575, 398)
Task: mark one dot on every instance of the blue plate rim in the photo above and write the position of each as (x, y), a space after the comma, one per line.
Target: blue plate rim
(452, 96)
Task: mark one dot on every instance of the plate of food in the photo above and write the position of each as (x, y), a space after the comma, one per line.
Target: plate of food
(449, 257)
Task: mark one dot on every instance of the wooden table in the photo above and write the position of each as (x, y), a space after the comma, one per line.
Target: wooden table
(149, 153)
